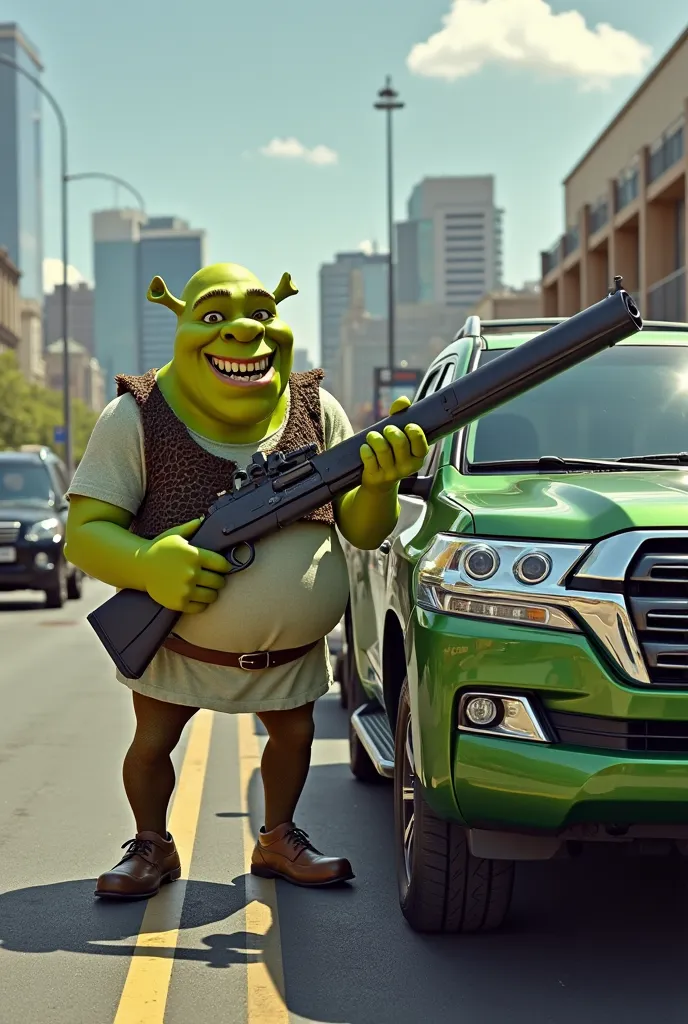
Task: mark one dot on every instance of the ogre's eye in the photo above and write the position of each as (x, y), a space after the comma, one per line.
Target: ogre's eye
(262, 314)
(213, 318)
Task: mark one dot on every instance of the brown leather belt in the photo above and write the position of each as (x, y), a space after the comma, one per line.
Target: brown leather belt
(255, 662)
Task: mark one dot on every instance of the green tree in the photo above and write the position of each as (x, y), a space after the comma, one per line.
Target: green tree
(29, 413)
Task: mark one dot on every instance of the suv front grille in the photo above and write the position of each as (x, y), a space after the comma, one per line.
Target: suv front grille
(639, 735)
(9, 533)
(657, 593)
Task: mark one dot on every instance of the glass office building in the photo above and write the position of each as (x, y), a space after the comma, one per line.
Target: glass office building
(20, 161)
(168, 247)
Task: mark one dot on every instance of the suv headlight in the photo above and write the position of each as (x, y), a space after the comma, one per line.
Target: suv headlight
(512, 581)
(47, 529)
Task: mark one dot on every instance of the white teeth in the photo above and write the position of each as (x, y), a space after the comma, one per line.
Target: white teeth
(249, 367)
(235, 367)
(242, 371)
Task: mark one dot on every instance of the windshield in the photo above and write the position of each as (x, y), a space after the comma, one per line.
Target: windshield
(22, 482)
(626, 401)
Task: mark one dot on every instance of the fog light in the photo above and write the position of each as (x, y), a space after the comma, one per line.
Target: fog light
(481, 711)
(501, 716)
(42, 561)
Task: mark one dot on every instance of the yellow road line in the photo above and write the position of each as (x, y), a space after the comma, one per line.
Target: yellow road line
(266, 1003)
(144, 996)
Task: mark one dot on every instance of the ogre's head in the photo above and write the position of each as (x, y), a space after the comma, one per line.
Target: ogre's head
(232, 353)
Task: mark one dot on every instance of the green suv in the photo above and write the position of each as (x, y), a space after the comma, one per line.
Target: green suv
(516, 652)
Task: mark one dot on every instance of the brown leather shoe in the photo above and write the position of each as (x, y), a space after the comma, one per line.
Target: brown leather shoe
(149, 862)
(287, 853)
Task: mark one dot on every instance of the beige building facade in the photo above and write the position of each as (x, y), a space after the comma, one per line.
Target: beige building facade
(510, 304)
(30, 352)
(625, 205)
(85, 376)
(10, 320)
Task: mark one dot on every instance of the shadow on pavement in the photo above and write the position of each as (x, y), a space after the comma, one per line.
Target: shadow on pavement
(26, 605)
(599, 938)
(65, 916)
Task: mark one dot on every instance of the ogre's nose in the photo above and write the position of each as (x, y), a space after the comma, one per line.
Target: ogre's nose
(244, 329)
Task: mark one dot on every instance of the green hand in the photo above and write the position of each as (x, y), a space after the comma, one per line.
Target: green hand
(180, 576)
(394, 455)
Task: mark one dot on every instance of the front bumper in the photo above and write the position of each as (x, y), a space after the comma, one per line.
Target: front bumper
(497, 783)
(35, 567)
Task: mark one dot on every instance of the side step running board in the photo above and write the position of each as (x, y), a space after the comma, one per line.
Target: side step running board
(372, 728)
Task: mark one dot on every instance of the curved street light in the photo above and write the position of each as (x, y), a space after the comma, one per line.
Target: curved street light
(111, 177)
(65, 263)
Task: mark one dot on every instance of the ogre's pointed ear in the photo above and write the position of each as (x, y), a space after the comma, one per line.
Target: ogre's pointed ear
(285, 288)
(158, 292)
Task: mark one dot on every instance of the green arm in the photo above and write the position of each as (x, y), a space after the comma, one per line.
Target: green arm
(98, 542)
(370, 512)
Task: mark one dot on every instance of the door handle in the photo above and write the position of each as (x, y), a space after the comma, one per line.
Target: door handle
(385, 547)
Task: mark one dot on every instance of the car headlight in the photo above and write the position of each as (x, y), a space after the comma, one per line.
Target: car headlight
(47, 529)
(511, 581)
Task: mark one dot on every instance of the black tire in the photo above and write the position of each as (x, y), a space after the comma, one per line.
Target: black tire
(74, 585)
(339, 673)
(362, 768)
(442, 886)
(56, 596)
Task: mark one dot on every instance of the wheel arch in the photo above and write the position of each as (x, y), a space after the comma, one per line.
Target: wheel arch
(393, 665)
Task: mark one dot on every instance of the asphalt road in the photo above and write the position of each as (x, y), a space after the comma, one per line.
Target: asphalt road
(596, 939)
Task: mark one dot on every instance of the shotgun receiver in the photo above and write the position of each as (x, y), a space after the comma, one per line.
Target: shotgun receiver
(280, 489)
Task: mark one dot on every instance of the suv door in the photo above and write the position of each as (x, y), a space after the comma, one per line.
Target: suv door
(411, 509)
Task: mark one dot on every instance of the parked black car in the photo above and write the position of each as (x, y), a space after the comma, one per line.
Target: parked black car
(33, 515)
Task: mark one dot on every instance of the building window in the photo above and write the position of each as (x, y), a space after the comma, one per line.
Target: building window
(666, 152)
(680, 234)
(627, 187)
(599, 216)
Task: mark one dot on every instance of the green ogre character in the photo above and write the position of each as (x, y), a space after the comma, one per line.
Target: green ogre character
(159, 454)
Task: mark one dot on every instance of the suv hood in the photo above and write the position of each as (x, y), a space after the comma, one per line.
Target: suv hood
(26, 513)
(575, 506)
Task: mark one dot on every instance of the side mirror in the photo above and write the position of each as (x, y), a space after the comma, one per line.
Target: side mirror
(417, 486)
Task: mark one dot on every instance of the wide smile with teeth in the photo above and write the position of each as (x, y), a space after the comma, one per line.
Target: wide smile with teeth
(242, 369)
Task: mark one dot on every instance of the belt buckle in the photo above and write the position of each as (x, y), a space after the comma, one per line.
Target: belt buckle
(244, 661)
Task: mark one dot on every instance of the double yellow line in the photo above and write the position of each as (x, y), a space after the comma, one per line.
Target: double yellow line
(144, 997)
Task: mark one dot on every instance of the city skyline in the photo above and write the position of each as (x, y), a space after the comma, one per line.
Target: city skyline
(526, 122)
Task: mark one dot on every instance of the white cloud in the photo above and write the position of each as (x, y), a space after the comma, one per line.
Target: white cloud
(52, 275)
(527, 33)
(292, 149)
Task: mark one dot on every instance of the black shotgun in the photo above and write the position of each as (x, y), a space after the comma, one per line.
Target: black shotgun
(280, 489)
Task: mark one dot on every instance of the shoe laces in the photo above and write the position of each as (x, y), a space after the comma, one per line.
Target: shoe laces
(137, 846)
(300, 839)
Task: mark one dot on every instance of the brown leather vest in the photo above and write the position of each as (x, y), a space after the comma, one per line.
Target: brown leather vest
(183, 479)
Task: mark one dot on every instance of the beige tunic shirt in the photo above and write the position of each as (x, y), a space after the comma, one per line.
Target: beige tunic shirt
(294, 593)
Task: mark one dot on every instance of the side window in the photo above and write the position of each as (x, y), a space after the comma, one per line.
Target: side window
(443, 377)
(428, 385)
(59, 477)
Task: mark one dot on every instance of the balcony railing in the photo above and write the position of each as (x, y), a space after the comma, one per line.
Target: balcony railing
(627, 188)
(668, 151)
(571, 241)
(550, 259)
(666, 300)
(598, 216)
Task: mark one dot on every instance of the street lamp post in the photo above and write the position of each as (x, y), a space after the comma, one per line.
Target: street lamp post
(65, 264)
(110, 177)
(388, 100)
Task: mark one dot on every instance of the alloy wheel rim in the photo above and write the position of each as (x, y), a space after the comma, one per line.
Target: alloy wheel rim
(407, 801)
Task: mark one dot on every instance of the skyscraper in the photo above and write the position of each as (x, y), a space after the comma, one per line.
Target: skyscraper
(116, 306)
(449, 251)
(20, 161)
(335, 297)
(131, 334)
(80, 311)
(170, 248)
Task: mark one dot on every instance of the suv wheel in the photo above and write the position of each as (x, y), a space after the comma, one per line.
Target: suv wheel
(442, 886)
(74, 585)
(56, 596)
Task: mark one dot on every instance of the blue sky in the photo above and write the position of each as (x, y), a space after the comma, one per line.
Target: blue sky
(180, 99)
